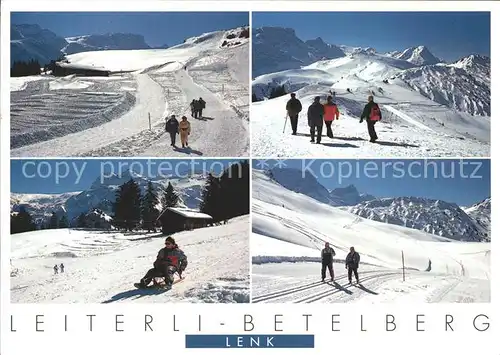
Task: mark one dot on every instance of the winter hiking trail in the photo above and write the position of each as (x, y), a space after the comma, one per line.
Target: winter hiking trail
(217, 271)
(220, 132)
(150, 99)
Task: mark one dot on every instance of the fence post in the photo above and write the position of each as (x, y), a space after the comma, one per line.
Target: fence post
(149, 118)
(403, 260)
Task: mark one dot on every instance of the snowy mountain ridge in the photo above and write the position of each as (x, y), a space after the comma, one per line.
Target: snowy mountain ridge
(429, 215)
(419, 55)
(108, 41)
(102, 194)
(432, 216)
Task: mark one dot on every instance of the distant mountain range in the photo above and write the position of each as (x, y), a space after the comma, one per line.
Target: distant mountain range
(102, 194)
(30, 41)
(429, 215)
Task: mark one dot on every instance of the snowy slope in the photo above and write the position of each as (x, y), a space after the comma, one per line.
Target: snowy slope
(101, 267)
(108, 41)
(286, 243)
(413, 124)
(432, 216)
(417, 55)
(481, 214)
(110, 115)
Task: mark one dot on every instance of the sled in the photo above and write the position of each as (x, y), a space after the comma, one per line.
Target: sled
(159, 283)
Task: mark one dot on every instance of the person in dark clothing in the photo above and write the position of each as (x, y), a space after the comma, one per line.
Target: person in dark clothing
(172, 127)
(201, 107)
(293, 108)
(372, 114)
(56, 269)
(352, 264)
(170, 260)
(327, 255)
(61, 267)
(192, 105)
(315, 119)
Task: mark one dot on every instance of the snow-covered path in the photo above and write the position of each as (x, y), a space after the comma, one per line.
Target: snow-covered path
(150, 99)
(101, 267)
(220, 132)
(301, 283)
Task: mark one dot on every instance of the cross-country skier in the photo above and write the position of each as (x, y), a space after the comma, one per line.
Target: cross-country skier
(327, 255)
(61, 267)
(170, 260)
(172, 128)
(331, 112)
(56, 269)
(315, 119)
(184, 131)
(352, 264)
(201, 107)
(293, 108)
(372, 114)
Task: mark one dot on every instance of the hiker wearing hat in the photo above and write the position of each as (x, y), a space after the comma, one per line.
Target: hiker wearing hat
(293, 108)
(172, 128)
(184, 131)
(170, 260)
(315, 119)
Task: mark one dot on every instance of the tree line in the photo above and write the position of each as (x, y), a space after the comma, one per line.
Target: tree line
(21, 68)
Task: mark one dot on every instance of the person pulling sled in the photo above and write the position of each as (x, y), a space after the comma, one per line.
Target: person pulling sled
(170, 260)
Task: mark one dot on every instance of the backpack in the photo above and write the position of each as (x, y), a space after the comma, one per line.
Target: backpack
(375, 113)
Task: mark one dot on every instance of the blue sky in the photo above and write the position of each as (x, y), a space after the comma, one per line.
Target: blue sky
(58, 176)
(158, 28)
(448, 35)
(407, 178)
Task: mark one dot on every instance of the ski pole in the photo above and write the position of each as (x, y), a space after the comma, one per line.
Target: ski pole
(286, 117)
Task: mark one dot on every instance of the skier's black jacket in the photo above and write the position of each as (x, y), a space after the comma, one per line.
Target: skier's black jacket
(315, 114)
(352, 260)
(293, 106)
(172, 125)
(327, 255)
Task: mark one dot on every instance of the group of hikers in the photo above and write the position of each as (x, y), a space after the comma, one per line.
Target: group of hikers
(197, 107)
(183, 128)
(318, 113)
(58, 268)
(351, 263)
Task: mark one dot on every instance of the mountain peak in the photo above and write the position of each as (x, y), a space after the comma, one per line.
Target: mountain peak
(419, 55)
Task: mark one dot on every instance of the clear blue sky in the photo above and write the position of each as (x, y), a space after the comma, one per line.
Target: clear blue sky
(408, 178)
(158, 28)
(58, 176)
(448, 35)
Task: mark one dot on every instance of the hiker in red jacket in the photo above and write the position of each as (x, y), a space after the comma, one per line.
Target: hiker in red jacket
(331, 112)
(372, 114)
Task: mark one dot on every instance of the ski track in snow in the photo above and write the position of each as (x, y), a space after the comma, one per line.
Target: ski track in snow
(101, 267)
(289, 229)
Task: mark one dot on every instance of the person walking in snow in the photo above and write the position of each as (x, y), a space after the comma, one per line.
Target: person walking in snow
(372, 114)
(61, 267)
(184, 131)
(56, 269)
(293, 108)
(315, 119)
(327, 255)
(331, 112)
(172, 128)
(201, 106)
(352, 264)
(193, 106)
(170, 260)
